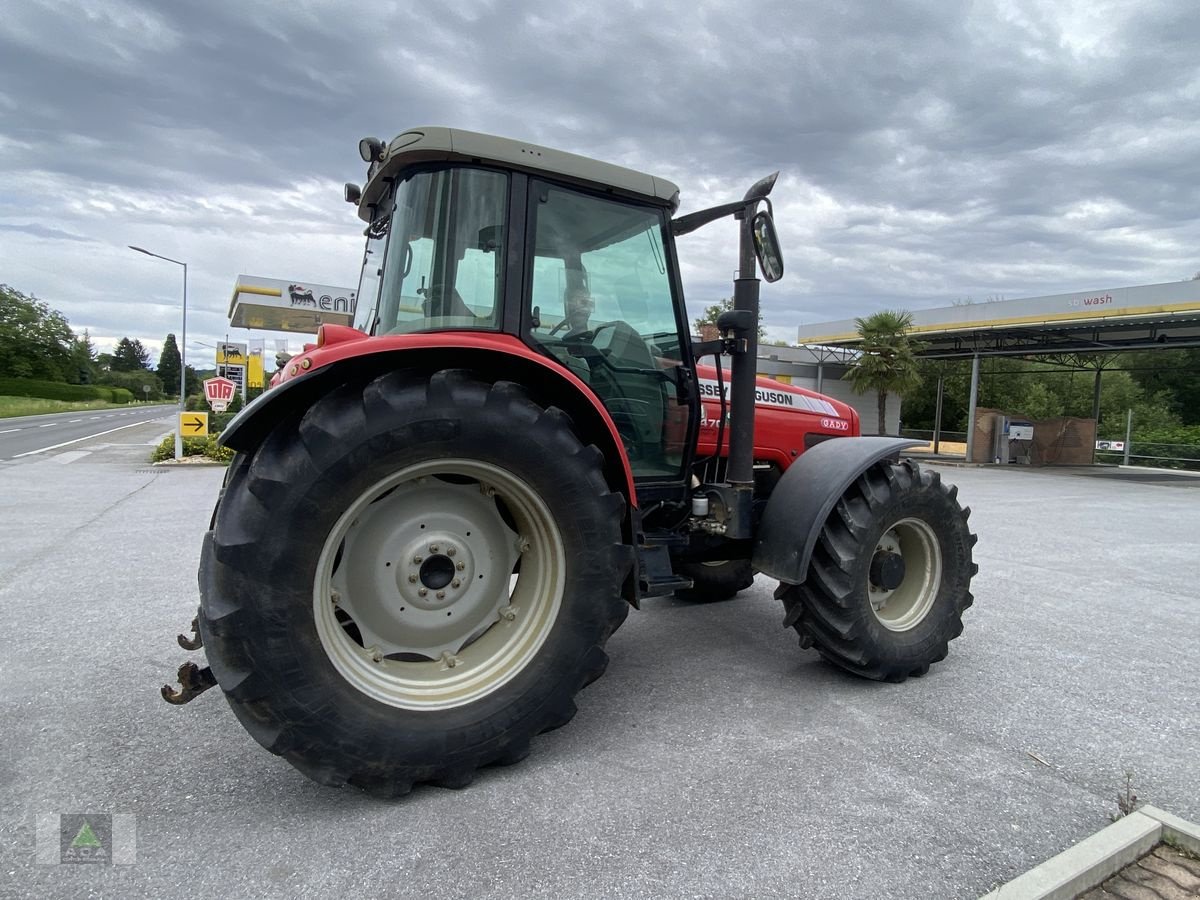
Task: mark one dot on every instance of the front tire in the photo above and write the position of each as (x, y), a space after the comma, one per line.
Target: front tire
(397, 589)
(889, 577)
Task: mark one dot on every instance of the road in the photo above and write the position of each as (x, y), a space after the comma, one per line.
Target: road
(33, 435)
(714, 759)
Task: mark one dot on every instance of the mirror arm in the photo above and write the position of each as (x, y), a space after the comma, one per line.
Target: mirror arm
(689, 223)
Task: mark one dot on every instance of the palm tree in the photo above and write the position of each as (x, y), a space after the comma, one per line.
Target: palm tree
(888, 363)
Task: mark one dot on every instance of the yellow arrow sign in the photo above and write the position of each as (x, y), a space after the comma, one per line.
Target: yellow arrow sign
(193, 424)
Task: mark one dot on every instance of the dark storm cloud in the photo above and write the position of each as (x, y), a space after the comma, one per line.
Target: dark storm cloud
(929, 151)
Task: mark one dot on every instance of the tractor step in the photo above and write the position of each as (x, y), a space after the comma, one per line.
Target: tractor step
(656, 577)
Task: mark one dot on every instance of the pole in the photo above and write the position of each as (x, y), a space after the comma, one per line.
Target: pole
(820, 375)
(1128, 434)
(182, 372)
(937, 415)
(182, 352)
(971, 408)
(1096, 396)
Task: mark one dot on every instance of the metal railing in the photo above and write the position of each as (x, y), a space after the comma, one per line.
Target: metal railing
(1153, 454)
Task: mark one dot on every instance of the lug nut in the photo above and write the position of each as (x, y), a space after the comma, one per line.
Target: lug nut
(450, 551)
(422, 592)
(433, 548)
(441, 595)
(456, 583)
(508, 614)
(335, 597)
(460, 566)
(417, 559)
(412, 579)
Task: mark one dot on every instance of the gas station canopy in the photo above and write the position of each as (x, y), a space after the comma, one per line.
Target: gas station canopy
(272, 305)
(1129, 318)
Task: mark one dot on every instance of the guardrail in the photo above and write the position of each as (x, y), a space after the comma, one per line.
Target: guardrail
(1150, 453)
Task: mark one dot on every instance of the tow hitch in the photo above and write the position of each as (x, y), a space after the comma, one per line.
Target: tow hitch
(193, 681)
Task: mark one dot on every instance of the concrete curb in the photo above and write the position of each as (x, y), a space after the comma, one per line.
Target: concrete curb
(1100, 856)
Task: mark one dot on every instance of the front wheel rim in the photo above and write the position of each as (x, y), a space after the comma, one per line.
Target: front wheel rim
(905, 605)
(439, 584)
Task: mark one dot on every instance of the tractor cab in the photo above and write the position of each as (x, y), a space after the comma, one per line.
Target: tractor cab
(573, 257)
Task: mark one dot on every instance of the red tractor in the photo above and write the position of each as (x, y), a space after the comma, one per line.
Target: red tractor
(437, 518)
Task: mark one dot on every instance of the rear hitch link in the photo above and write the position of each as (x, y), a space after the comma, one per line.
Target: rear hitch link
(193, 681)
(195, 642)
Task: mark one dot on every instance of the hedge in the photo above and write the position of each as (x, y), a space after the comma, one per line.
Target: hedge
(57, 390)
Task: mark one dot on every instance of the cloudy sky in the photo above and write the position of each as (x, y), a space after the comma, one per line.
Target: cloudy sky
(930, 151)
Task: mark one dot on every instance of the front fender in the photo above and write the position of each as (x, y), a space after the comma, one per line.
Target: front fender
(805, 496)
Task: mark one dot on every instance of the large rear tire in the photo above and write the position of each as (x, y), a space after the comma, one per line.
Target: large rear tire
(398, 590)
(889, 577)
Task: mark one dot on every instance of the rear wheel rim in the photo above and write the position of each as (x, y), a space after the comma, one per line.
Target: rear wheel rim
(906, 605)
(439, 584)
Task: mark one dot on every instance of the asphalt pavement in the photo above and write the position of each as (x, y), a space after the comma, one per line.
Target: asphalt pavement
(714, 759)
(33, 435)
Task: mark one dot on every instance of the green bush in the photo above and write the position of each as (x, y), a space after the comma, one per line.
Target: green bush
(192, 446)
(121, 395)
(213, 450)
(52, 390)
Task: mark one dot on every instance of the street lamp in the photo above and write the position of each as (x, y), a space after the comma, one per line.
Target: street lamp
(182, 350)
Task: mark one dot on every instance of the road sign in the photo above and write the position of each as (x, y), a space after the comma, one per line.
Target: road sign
(193, 424)
(219, 390)
(219, 406)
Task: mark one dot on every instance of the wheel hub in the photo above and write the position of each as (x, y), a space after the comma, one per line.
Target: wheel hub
(437, 572)
(905, 574)
(425, 568)
(436, 569)
(887, 570)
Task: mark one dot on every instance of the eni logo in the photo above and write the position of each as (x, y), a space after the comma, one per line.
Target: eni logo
(1098, 300)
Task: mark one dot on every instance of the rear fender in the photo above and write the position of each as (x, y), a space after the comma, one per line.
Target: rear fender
(548, 384)
(805, 496)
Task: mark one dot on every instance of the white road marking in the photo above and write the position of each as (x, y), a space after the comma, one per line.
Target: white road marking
(48, 425)
(77, 440)
(9, 430)
(73, 421)
(70, 456)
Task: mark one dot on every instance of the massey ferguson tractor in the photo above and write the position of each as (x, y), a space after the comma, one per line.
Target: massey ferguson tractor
(436, 519)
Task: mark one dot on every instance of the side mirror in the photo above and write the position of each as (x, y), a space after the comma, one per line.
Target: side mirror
(766, 246)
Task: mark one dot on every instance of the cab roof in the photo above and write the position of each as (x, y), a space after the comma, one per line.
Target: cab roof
(441, 144)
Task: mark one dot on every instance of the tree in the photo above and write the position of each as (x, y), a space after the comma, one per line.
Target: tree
(168, 365)
(711, 314)
(35, 340)
(195, 384)
(130, 355)
(83, 360)
(888, 363)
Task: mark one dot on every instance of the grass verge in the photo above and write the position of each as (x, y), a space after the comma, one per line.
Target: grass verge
(35, 406)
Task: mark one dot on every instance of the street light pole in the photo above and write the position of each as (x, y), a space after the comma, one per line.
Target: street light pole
(182, 351)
